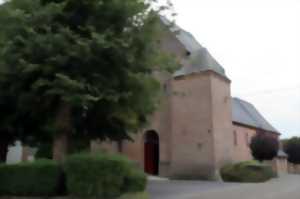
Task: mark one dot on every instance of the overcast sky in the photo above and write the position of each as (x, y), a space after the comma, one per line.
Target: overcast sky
(258, 44)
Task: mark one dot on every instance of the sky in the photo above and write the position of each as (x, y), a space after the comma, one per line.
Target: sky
(258, 44)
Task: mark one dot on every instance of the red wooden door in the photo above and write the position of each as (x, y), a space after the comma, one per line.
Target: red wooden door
(149, 158)
(151, 155)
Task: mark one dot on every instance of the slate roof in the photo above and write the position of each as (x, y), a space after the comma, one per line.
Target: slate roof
(199, 59)
(245, 113)
(188, 41)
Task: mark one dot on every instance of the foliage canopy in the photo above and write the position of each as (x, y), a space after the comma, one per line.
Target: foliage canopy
(264, 147)
(292, 148)
(78, 66)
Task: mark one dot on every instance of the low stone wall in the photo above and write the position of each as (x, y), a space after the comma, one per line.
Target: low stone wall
(293, 168)
(279, 165)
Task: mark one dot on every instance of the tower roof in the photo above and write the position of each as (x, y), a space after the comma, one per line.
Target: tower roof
(199, 58)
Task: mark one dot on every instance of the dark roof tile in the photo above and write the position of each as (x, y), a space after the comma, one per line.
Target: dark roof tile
(199, 59)
(245, 113)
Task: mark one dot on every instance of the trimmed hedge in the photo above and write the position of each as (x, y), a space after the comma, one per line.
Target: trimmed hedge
(250, 171)
(84, 175)
(141, 195)
(102, 176)
(135, 181)
(39, 178)
(44, 152)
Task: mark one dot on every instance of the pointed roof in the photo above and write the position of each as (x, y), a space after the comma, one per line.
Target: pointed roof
(199, 58)
(188, 41)
(245, 113)
(199, 61)
(185, 38)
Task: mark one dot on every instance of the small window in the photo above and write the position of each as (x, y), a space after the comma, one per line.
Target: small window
(120, 146)
(235, 138)
(165, 87)
(247, 139)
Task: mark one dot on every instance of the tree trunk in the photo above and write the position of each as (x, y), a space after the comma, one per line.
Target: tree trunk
(3, 151)
(60, 146)
(61, 139)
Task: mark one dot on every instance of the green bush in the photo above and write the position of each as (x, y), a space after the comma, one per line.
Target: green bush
(44, 152)
(250, 171)
(141, 195)
(135, 181)
(102, 176)
(39, 178)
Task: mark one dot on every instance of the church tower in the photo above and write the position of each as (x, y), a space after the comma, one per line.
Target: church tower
(200, 113)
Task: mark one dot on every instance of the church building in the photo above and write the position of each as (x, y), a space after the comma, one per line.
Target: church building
(199, 127)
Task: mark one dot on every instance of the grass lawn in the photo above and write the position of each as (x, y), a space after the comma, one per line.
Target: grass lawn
(143, 195)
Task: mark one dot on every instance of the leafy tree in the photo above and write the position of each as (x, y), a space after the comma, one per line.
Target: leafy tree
(79, 69)
(264, 147)
(7, 135)
(292, 148)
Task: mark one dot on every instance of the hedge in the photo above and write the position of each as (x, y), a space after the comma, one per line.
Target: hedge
(141, 195)
(39, 178)
(102, 176)
(135, 181)
(250, 171)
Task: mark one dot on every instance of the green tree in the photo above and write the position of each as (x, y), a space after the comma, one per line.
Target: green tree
(79, 69)
(264, 147)
(7, 130)
(292, 148)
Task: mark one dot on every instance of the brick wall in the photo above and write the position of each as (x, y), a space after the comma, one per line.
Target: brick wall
(241, 141)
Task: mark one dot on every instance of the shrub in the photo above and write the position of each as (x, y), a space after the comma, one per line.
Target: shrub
(44, 151)
(292, 148)
(102, 176)
(40, 178)
(264, 147)
(141, 195)
(250, 171)
(135, 181)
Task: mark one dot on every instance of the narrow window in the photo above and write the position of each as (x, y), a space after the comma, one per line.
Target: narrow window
(165, 87)
(120, 146)
(247, 139)
(235, 138)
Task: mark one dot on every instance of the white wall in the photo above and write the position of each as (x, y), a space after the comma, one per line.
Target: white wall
(14, 154)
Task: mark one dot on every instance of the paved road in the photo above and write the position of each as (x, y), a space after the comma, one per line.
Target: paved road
(182, 189)
(287, 187)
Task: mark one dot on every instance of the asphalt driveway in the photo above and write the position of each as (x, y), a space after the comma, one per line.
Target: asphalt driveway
(287, 187)
(181, 189)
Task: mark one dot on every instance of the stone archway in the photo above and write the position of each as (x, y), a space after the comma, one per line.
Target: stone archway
(151, 152)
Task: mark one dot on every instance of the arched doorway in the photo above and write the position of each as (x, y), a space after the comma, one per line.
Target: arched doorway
(151, 152)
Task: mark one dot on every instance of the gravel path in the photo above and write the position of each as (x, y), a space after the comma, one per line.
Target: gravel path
(287, 187)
